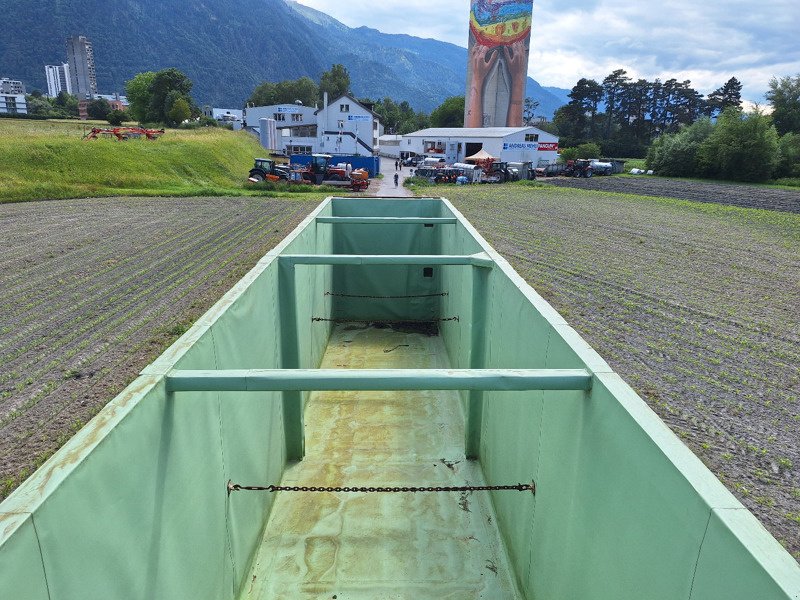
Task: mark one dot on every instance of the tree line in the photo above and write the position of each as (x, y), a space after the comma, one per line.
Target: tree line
(624, 115)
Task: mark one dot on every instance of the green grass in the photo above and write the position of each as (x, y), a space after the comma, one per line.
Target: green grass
(50, 159)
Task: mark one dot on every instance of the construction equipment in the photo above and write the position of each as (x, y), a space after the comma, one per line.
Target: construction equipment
(266, 169)
(123, 134)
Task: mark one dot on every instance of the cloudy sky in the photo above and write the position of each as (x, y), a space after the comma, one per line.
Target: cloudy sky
(707, 42)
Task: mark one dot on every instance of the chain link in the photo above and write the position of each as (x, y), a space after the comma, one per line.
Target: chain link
(386, 297)
(520, 487)
(379, 322)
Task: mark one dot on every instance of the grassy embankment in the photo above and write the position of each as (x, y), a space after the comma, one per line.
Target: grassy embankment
(42, 160)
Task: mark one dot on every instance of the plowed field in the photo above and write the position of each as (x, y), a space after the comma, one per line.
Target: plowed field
(745, 196)
(696, 305)
(93, 290)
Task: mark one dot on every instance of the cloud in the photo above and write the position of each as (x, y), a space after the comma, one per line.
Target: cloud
(707, 43)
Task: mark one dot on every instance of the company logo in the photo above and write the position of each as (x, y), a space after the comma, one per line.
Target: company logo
(359, 118)
(289, 110)
(548, 147)
(520, 146)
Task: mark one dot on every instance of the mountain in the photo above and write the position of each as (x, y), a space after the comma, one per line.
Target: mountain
(227, 47)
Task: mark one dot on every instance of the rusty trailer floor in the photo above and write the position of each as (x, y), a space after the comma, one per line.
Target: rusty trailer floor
(359, 546)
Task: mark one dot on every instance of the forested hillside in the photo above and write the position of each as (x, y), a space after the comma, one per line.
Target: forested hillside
(227, 47)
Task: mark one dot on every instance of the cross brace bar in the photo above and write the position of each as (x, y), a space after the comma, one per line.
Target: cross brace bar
(389, 220)
(474, 260)
(258, 380)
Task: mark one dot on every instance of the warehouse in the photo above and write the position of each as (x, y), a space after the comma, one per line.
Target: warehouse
(510, 144)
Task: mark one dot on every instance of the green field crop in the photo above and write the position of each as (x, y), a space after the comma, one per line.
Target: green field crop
(42, 160)
(695, 304)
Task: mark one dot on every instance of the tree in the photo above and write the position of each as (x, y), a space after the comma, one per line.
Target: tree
(789, 156)
(450, 113)
(67, 104)
(336, 82)
(98, 109)
(179, 111)
(585, 98)
(117, 117)
(741, 147)
(613, 86)
(138, 93)
(285, 92)
(675, 155)
(161, 90)
(784, 96)
(728, 96)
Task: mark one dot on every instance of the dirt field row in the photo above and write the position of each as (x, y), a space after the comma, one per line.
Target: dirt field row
(694, 306)
(746, 196)
(93, 290)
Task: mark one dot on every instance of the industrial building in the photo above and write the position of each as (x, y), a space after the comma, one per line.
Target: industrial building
(80, 58)
(509, 144)
(342, 127)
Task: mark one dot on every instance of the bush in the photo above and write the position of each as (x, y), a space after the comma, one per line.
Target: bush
(741, 147)
(788, 156)
(117, 117)
(675, 155)
(589, 150)
(568, 154)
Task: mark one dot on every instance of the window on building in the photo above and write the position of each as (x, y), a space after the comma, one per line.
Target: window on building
(344, 108)
(280, 117)
(297, 117)
(531, 137)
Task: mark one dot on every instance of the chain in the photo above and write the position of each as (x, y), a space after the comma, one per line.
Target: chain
(386, 297)
(378, 321)
(520, 487)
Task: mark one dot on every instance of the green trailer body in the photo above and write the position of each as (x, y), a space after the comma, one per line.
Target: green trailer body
(136, 504)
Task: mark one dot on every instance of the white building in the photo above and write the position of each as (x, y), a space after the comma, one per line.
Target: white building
(344, 126)
(509, 144)
(390, 145)
(14, 104)
(296, 124)
(58, 79)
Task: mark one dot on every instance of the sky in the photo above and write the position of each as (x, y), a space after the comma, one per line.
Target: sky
(705, 42)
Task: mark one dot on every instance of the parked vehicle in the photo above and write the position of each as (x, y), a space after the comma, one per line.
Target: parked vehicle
(553, 170)
(579, 168)
(602, 168)
(412, 161)
(266, 169)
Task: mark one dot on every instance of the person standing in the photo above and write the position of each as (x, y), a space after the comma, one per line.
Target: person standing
(396, 179)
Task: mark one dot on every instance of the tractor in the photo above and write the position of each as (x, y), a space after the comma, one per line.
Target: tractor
(266, 169)
(579, 168)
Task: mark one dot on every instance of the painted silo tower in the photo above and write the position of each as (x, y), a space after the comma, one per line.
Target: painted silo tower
(497, 68)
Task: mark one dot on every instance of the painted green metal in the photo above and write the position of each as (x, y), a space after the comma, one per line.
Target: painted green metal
(259, 380)
(134, 506)
(388, 220)
(474, 260)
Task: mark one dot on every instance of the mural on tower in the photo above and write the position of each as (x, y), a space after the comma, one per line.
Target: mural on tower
(497, 69)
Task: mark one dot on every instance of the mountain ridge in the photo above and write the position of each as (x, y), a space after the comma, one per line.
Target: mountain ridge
(131, 36)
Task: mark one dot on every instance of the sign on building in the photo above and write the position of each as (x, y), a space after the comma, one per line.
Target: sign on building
(360, 118)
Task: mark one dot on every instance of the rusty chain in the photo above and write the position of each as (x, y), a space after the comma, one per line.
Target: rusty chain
(381, 322)
(519, 487)
(386, 297)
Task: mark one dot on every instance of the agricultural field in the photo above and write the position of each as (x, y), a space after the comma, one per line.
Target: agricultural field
(44, 160)
(731, 194)
(696, 305)
(93, 290)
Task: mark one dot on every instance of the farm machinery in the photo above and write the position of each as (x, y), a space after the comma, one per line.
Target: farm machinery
(266, 169)
(123, 134)
(318, 171)
(321, 170)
